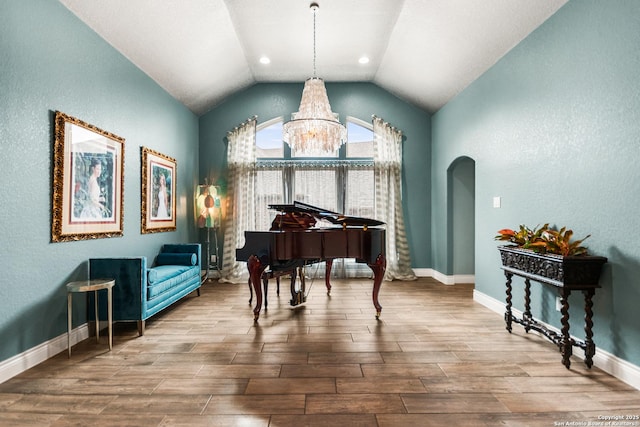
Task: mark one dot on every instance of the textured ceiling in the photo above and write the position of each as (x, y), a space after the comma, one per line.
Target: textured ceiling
(423, 51)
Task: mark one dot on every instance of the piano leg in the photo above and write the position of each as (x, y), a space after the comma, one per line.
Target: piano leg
(256, 268)
(327, 274)
(265, 287)
(379, 267)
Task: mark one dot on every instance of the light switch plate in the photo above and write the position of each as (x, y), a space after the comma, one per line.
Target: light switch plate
(496, 202)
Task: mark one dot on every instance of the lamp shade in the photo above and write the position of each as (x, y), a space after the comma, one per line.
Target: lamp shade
(207, 206)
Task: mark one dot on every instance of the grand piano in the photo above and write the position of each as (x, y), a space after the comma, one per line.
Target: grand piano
(294, 241)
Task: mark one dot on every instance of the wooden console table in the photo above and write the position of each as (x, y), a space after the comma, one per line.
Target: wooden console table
(577, 273)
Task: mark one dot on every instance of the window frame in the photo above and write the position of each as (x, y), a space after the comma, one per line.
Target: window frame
(289, 163)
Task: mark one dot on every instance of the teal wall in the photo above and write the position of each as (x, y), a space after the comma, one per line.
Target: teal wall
(359, 100)
(553, 128)
(52, 61)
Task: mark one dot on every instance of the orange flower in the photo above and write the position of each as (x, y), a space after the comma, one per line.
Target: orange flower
(507, 231)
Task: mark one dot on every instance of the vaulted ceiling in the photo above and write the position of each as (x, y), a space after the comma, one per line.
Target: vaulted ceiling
(423, 51)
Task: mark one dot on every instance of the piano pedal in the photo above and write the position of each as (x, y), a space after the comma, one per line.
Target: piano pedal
(298, 298)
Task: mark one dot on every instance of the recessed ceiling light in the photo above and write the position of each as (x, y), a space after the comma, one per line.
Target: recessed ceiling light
(363, 60)
(265, 60)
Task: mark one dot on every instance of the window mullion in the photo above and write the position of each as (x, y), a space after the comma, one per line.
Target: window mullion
(287, 183)
(341, 184)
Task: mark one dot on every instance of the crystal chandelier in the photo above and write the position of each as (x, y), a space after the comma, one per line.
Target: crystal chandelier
(314, 128)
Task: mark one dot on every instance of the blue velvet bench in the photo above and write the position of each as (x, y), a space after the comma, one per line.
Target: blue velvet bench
(142, 291)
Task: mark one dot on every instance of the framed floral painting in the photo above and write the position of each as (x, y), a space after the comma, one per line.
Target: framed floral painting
(88, 165)
(158, 210)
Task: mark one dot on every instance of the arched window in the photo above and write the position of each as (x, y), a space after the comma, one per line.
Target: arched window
(359, 179)
(341, 182)
(269, 144)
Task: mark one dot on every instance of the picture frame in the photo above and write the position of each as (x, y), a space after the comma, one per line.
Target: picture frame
(158, 192)
(88, 181)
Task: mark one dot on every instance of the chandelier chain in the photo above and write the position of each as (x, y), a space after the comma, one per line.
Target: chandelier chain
(314, 128)
(314, 43)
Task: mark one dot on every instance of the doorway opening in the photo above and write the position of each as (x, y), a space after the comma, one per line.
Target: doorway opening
(461, 220)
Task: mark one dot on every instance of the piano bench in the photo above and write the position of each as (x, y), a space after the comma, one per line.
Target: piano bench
(271, 274)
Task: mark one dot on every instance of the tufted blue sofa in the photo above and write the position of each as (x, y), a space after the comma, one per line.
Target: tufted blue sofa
(142, 291)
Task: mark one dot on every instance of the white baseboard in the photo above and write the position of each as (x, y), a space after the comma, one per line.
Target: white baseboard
(21, 362)
(464, 278)
(619, 368)
(443, 278)
(423, 272)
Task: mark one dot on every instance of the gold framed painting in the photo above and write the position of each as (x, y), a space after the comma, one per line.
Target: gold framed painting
(158, 210)
(88, 176)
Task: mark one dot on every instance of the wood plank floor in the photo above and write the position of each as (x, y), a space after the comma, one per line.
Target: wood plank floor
(434, 358)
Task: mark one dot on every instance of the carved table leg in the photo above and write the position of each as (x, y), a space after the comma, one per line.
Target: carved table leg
(566, 347)
(590, 347)
(527, 305)
(507, 314)
(256, 268)
(327, 274)
(250, 289)
(379, 267)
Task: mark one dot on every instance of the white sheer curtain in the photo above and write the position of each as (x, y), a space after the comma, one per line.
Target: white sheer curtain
(316, 186)
(241, 158)
(387, 160)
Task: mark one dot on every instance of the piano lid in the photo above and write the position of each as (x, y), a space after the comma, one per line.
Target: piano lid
(332, 217)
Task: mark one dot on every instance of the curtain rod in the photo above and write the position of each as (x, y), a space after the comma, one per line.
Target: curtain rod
(373, 117)
(243, 124)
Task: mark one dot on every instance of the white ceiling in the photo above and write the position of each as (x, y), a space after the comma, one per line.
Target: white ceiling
(423, 51)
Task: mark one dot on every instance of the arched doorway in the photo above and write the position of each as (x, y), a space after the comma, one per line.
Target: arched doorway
(461, 220)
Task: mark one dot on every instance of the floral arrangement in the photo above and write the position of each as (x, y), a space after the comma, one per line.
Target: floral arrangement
(544, 240)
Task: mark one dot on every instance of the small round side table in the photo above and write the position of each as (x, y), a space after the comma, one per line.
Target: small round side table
(88, 286)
